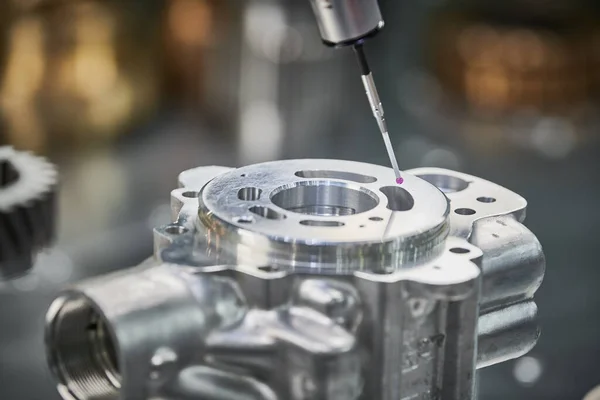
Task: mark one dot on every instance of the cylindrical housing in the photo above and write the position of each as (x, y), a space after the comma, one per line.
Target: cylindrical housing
(120, 336)
(344, 22)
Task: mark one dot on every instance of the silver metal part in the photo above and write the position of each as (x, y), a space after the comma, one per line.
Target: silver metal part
(309, 279)
(343, 22)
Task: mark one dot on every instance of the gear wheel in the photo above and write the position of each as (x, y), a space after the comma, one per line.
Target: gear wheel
(27, 209)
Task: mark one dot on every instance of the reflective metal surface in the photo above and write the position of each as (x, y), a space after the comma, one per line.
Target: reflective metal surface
(193, 324)
(345, 21)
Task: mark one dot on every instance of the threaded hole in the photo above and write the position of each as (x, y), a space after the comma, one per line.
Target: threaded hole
(82, 351)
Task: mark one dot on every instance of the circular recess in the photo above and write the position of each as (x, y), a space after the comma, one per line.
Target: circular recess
(484, 199)
(324, 199)
(190, 194)
(459, 250)
(176, 230)
(464, 211)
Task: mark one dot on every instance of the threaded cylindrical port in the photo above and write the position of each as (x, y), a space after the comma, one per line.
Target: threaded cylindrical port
(81, 350)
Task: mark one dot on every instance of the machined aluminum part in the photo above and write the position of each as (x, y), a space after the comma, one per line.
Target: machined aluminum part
(309, 279)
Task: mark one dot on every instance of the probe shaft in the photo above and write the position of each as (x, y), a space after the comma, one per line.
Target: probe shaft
(376, 107)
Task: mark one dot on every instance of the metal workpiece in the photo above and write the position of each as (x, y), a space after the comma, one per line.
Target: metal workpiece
(513, 266)
(337, 217)
(344, 22)
(309, 279)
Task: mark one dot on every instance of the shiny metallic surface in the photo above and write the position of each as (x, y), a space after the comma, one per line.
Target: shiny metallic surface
(27, 210)
(318, 223)
(346, 21)
(374, 101)
(243, 303)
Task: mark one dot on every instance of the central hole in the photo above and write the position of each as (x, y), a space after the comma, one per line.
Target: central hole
(8, 174)
(324, 199)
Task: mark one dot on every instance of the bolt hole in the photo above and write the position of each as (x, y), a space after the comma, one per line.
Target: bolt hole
(362, 226)
(495, 235)
(382, 272)
(459, 250)
(249, 193)
(464, 211)
(244, 220)
(190, 195)
(484, 199)
(268, 268)
(176, 229)
(376, 219)
(437, 267)
(266, 212)
(243, 175)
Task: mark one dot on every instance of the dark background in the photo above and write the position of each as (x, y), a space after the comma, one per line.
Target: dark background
(124, 95)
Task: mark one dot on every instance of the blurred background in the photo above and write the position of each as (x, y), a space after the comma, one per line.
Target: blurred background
(124, 95)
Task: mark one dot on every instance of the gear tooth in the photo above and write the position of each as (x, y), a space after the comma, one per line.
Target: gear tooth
(27, 204)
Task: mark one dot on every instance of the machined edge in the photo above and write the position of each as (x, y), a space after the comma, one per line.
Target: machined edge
(472, 198)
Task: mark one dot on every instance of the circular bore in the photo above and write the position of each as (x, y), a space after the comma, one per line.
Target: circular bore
(308, 213)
